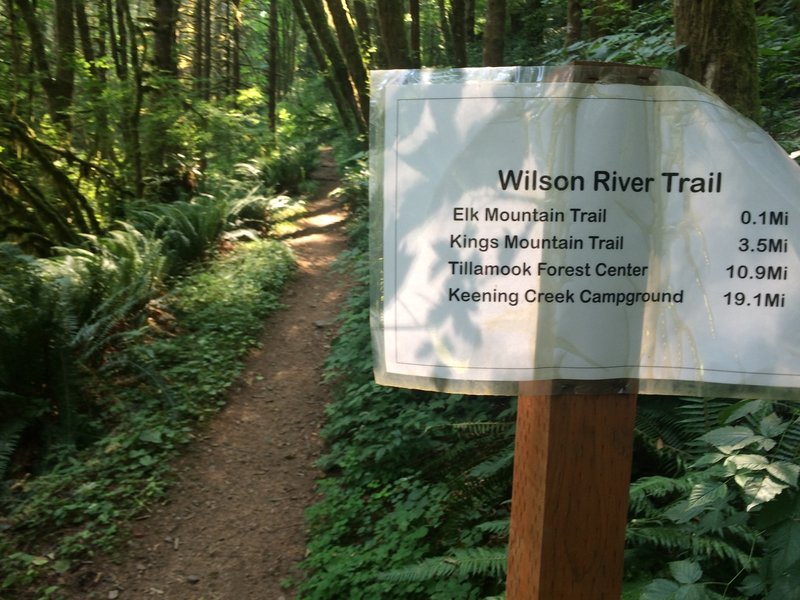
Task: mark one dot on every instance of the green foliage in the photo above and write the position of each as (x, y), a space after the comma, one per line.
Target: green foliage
(62, 325)
(647, 39)
(779, 73)
(187, 230)
(684, 585)
(157, 390)
(461, 563)
(733, 510)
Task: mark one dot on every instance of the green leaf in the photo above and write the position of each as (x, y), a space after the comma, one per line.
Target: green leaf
(729, 439)
(706, 493)
(685, 571)
(785, 471)
(61, 566)
(751, 462)
(682, 512)
(772, 426)
(691, 592)
(783, 508)
(741, 409)
(786, 588)
(660, 589)
(752, 585)
(783, 548)
(151, 435)
(758, 488)
(709, 458)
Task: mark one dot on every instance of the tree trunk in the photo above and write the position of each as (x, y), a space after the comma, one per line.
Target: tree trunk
(102, 140)
(164, 37)
(119, 48)
(341, 76)
(604, 18)
(469, 20)
(16, 55)
(236, 40)
(446, 30)
(351, 54)
(39, 57)
(197, 48)
(361, 16)
(458, 25)
(324, 68)
(85, 36)
(720, 49)
(391, 18)
(206, 78)
(288, 43)
(272, 76)
(416, 45)
(133, 116)
(64, 75)
(574, 22)
(494, 34)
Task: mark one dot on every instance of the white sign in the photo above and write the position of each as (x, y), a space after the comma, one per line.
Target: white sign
(537, 231)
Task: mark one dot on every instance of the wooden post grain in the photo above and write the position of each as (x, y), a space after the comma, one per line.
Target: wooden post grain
(569, 507)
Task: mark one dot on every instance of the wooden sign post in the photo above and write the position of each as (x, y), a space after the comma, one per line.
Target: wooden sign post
(572, 466)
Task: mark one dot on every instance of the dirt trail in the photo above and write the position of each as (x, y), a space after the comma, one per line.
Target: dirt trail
(232, 527)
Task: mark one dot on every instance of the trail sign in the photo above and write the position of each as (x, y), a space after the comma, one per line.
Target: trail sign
(533, 228)
(577, 236)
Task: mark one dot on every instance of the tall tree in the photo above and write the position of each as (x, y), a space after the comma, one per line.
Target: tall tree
(58, 88)
(15, 49)
(444, 22)
(363, 23)
(469, 20)
(351, 53)
(198, 47)
(133, 104)
(603, 18)
(720, 49)
(64, 74)
(119, 45)
(459, 32)
(416, 42)
(339, 100)
(391, 19)
(574, 21)
(272, 58)
(235, 47)
(341, 76)
(494, 34)
(164, 40)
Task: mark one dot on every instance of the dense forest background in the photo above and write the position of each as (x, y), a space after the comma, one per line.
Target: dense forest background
(147, 148)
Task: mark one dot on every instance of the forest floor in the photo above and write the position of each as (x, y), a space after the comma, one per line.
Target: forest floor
(232, 526)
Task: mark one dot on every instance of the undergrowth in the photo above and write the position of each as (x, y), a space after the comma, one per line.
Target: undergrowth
(167, 377)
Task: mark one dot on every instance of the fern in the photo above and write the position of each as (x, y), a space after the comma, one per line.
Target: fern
(463, 563)
(645, 489)
(476, 429)
(187, 230)
(701, 415)
(682, 541)
(788, 448)
(10, 434)
(501, 527)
